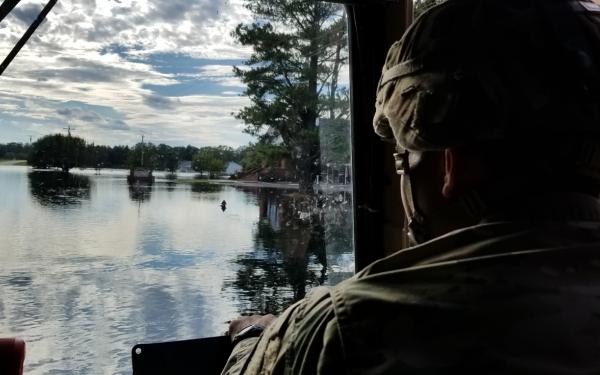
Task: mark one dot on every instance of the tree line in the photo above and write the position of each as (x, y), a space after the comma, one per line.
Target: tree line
(14, 151)
(67, 152)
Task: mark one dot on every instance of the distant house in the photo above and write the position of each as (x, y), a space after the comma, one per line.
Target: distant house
(185, 166)
(233, 168)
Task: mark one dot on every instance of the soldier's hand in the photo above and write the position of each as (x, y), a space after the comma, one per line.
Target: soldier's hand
(245, 321)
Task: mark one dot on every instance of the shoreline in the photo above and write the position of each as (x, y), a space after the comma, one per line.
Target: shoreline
(259, 184)
(223, 182)
(13, 163)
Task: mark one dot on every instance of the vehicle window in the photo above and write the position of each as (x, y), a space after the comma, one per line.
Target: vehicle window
(166, 166)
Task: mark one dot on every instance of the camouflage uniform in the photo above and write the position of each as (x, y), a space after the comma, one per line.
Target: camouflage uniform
(518, 293)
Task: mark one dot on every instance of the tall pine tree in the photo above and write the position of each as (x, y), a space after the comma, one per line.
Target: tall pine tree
(292, 76)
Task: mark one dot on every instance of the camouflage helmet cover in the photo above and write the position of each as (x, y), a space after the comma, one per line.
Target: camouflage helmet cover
(474, 70)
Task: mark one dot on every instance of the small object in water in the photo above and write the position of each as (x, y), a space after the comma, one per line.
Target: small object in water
(223, 206)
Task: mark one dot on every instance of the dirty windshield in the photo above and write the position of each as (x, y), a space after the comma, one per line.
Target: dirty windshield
(166, 166)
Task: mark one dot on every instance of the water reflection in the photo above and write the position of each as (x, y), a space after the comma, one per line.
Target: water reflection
(291, 248)
(52, 188)
(17, 279)
(205, 187)
(113, 271)
(140, 193)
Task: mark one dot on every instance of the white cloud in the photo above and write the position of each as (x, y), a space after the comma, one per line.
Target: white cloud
(119, 63)
(68, 60)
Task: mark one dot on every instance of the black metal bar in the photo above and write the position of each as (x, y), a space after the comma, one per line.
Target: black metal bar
(6, 7)
(373, 29)
(367, 154)
(26, 36)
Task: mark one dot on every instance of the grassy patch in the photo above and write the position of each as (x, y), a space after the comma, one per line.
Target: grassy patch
(193, 181)
(22, 163)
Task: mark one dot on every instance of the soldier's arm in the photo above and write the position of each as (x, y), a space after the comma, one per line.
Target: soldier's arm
(303, 340)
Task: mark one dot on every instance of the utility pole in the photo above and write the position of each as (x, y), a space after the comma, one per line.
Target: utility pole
(68, 129)
(142, 151)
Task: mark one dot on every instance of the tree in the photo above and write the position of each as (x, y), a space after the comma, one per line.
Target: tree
(292, 77)
(166, 158)
(171, 161)
(14, 151)
(58, 151)
(335, 141)
(186, 153)
(262, 154)
(143, 155)
(210, 160)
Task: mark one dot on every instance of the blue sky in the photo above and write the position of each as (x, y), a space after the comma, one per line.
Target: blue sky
(117, 69)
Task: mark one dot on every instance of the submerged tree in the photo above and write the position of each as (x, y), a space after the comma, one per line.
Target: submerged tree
(292, 76)
(211, 160)
(57, 151)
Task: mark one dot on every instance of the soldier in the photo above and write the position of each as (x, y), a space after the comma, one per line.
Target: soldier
(495, 109)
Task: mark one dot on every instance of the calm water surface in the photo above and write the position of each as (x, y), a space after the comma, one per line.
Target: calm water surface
(90, 267)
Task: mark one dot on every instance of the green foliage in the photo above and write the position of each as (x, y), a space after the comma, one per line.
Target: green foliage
(15, 151)
(50, 151)
(185, 153)
(292, 75)
(143, 155)
(58, 151)
(106, 156)
(262, 155)
(211, 160)
(166, 158)
(335, 141)
(171, 162)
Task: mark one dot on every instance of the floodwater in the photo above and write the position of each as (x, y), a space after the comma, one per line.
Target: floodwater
(90, 267)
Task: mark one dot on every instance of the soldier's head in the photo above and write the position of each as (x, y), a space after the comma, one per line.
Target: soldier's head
(488, 100)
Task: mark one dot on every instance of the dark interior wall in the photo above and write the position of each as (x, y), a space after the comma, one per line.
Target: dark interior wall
(374, 26)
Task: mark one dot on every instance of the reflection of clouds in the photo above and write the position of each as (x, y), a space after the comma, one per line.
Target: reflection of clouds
(98, 315)
(159, 313)
(83, 284)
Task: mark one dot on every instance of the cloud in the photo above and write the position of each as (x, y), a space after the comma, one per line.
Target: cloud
(115, 69)
(26, 13)
(160, 102)
(177, 10)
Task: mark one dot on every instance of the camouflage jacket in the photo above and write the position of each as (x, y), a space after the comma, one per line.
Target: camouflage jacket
(508, 296)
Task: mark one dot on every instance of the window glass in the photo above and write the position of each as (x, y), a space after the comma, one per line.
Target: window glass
(166, 166)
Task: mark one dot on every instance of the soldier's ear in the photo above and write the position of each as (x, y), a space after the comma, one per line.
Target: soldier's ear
(449, 173)
(464, 170)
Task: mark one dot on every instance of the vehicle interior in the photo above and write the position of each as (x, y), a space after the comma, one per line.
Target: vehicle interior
(378, 230)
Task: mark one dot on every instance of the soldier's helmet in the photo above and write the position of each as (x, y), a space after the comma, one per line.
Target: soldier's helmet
(470, 71)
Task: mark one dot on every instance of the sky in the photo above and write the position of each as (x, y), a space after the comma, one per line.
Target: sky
(115, 70)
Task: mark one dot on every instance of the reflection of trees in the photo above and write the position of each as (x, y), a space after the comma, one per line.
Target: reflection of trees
(206, 187)
(52, 188)
(289, 254)
(206, 191)
(140, 193)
